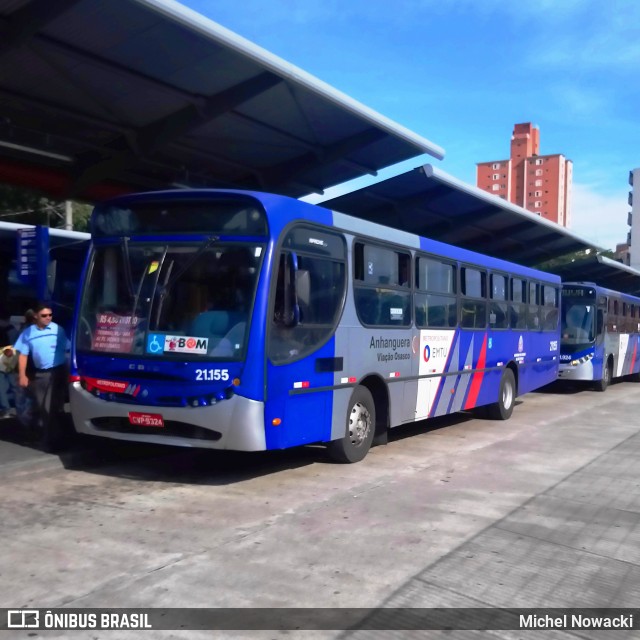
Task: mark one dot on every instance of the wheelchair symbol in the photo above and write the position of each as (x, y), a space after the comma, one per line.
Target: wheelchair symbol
(154, 345)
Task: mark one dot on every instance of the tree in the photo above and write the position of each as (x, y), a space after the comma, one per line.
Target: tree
(25, 206)
(577, 256)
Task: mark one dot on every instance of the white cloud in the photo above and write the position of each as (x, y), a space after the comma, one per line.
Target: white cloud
(601, 219)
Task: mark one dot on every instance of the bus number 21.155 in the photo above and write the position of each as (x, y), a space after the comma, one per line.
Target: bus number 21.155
(212, 374)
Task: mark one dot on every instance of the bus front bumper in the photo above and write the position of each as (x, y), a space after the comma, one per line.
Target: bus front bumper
(236, 423)
(582, 372)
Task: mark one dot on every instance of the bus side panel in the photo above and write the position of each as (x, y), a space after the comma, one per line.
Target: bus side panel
(611, 349)
(598, 358)
(468, 384)
(538, 359)
(628, 358)
(305, 413)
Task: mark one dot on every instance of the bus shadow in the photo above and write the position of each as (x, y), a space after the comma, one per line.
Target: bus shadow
(429, 425)
(155, 462)
(162, 463)
(568, 387)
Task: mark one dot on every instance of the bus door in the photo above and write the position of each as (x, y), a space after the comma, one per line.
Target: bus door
(307, 300)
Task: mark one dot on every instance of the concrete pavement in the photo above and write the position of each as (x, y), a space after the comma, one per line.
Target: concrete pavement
(538, 511)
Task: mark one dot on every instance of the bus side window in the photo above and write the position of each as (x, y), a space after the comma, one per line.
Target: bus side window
(473, 306)
(517, 307)
(382, 285)
(498, 316)
(533, 309)
(550, 315)
(435, 300)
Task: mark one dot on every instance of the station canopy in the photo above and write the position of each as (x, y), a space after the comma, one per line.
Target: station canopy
(99, 98)
(603, 271)
(431, 203)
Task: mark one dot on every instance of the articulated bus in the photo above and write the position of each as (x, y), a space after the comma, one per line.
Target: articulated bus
(251, 321)
(600, 334)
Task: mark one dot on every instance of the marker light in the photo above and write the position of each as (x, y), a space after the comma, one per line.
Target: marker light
(276, 422)
(236, 382)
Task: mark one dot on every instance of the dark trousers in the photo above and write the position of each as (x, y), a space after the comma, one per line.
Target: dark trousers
(48, 389)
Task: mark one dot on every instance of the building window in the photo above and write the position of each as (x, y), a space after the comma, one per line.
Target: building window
(537, 204)
(539, 161)
(496, 165)
(538, 183)
(538, 172)
(537, 194)
(495, 187)
(496, 176)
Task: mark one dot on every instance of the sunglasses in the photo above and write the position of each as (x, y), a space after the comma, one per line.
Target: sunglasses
(46, 315)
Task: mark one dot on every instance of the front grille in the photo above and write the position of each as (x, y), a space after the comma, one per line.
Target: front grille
(171, 428)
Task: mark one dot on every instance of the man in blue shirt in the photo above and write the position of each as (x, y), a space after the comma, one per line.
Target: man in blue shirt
(46, 343)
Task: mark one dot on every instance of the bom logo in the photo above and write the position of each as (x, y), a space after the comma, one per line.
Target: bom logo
(427, 353)
(187, 343)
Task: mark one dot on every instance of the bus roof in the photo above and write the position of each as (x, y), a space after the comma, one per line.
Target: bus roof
(343, 221)
(146, 94)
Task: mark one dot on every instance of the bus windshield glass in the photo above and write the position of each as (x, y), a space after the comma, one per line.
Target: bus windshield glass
(578, 320)
(186, 300)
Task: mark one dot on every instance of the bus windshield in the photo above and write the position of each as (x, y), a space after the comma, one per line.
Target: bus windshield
(187, 300)
(578, 321)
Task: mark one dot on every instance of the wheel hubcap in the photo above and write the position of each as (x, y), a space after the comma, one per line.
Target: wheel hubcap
(507, 396)
(359, 424)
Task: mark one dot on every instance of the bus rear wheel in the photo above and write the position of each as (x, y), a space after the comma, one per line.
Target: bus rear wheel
(602, 384)
(359, 431)
(503, 409)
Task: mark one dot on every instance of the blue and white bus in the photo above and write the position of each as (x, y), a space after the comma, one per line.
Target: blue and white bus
(251, 321)
(600, 333)
(67, 254)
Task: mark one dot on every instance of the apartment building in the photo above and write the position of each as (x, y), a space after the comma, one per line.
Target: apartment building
(539, 183)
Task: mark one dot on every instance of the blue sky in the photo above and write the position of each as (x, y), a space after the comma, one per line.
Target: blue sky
(461, 73)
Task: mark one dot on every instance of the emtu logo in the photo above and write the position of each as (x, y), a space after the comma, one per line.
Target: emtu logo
(427, 353)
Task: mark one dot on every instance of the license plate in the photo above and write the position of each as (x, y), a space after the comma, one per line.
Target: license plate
(146, 419)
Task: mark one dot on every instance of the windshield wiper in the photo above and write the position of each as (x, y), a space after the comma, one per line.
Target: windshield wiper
(187, 265)
(127, 266)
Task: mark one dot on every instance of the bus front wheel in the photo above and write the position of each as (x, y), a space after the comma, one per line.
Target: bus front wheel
(359, 430)
(503, 409)
(601, 385)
